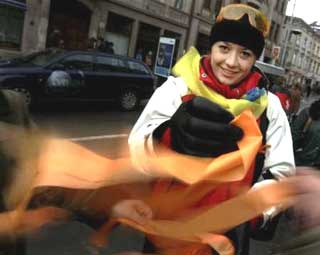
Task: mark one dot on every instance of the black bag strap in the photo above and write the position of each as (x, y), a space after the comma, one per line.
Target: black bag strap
(264, 123)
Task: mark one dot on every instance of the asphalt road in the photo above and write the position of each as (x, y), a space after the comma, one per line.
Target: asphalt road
(101, 127)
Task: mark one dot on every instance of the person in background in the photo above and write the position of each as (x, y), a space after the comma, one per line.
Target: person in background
(61, 44)
(13, 110)
(55, 38)
(308, 91)
(148, 59)
(161, 60)
(306, 136)
(92, 43)
(279, 89)
(191, 114)
(139, 54)
(109, 47)
(105, 46)
(295, 101)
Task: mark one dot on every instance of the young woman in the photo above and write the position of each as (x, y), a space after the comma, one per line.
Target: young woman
(191, 112)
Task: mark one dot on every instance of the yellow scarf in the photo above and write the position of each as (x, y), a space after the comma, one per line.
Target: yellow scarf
(188, 69)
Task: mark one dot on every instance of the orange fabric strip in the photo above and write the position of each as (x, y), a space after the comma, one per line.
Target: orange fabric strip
(220, 218)
(66, 164)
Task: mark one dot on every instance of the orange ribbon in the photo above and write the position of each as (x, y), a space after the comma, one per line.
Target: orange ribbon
(65, 164)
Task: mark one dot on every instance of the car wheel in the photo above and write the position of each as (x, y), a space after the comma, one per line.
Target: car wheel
(129, 100)
(27, 95)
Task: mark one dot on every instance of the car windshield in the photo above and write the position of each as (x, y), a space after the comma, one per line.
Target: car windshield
(39, 58)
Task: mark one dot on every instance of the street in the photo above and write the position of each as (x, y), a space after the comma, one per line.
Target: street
(101, 128)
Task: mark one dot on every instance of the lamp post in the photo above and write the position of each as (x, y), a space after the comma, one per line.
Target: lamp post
(287, 37)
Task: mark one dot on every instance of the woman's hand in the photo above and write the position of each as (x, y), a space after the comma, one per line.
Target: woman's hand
(202, 128)
(135, 210)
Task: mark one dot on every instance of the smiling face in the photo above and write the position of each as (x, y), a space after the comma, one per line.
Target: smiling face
(230, 62)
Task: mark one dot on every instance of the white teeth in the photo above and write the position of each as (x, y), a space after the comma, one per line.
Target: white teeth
(227, 71)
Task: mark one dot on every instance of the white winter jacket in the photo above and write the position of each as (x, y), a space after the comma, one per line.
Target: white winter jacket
(165, 101)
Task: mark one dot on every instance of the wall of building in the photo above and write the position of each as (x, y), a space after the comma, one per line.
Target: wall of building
(35, 25)
(154, 14)
(301, 52)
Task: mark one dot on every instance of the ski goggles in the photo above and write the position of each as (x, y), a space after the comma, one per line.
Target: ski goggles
(236, 11)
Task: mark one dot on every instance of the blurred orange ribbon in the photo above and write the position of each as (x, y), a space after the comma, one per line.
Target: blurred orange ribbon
(64, 164)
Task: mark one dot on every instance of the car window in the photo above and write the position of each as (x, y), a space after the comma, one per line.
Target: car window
(137, 68)
(110, 64)
(78, 62)
(40, 58)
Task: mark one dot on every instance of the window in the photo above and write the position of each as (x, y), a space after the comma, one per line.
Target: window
(276, 33)
(282, 7)
(179, 4)
(217, 7)
(312, 66)
(78, 62)
(41, 58)
(272, 30)
(294, 59)
(298, 62)
(207, 4)
(11, 26)
(203, 44)
(297, 40)
(309, 63)
(291, 37)
(110, 64)
(305, 42)
(118, 31)
(137, 68)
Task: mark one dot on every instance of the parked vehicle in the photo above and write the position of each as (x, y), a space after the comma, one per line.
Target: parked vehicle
(58, 75)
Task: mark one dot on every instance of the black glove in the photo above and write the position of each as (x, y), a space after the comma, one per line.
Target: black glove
(201, 128)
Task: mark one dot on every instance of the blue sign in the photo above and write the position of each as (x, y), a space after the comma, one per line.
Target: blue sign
(164, 56)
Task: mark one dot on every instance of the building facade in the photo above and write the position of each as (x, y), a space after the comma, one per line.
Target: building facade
(301, 53)
(133, 26)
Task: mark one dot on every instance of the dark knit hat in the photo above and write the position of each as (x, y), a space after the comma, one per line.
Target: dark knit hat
(240, 32)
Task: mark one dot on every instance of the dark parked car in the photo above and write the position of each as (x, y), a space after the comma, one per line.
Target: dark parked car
(58, 75)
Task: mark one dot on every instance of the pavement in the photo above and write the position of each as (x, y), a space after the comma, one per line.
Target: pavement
(73, 238)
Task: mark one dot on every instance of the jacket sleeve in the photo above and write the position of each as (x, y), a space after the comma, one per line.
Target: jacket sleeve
(279, 158)
(161, 106)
